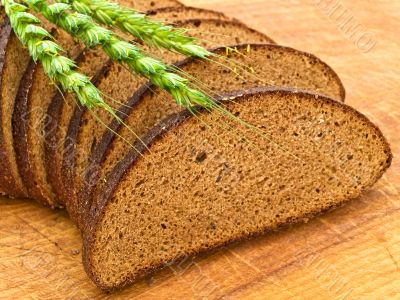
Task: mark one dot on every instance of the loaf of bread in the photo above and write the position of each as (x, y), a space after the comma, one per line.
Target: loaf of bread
(169, 182)
(271, 65)
(200, 186)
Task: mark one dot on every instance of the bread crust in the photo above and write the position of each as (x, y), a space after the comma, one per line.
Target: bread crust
(8, 183)
(5, 30)
(52, 144)
(101, 150)
(97, 210)
(20, 132)
(175, 4)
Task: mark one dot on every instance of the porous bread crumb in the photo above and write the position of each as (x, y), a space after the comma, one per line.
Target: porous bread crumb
(71, 115)
(275, 65)
(120, 85)
(167, 204)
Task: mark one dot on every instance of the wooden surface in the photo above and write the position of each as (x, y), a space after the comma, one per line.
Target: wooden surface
(351, 253)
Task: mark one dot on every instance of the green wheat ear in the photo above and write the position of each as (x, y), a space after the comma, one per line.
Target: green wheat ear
(42, 48)
(85, 29)
(137, 24)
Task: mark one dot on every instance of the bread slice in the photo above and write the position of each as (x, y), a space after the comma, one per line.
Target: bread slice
(59, 113)
(34, 95)
(181, 13)
(85, 129)
(273, 65)
(200, 187)
(14, 59)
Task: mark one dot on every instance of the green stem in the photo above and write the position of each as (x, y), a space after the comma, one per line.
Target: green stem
(41, 48)
(84, 28)
(137, 24)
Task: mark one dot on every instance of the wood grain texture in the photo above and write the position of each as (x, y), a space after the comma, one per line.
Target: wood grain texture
(351, 253)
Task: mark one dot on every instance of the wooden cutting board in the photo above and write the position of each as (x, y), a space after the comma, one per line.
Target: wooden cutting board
(351, 253)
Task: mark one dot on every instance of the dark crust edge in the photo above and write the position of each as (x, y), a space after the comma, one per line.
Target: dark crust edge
(8, 184)
(177, 4)
(155, 134)
(178, 9)
(101, 150)
(5, 30)
(20, 121)
(51, 130)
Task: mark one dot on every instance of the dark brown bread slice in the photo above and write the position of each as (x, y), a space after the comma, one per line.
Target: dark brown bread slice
(85, 130)
(180, 13)
(272, 65)
(34, 96)
(14, 59)
(60, 113)
(199, 188)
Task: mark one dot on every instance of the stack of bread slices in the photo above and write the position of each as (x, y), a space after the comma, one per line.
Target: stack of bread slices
(288, 150)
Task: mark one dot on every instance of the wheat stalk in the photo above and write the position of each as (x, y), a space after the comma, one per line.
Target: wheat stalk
(137, 24)
(41, 48)
(84, 28)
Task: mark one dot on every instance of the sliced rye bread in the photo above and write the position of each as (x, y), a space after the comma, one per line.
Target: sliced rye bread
(34, 95)
(180, 13)
(273, 65)
(85, 130)
(199, 188)
(14, 59)
(61, 111)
